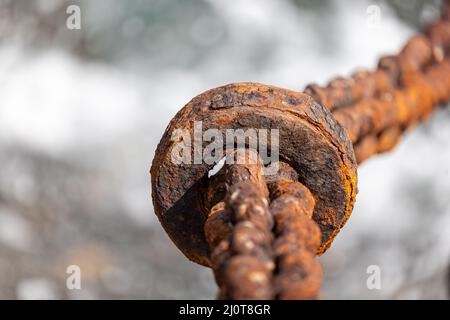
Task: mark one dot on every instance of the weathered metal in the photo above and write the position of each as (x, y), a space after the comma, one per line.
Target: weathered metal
(313, 143)
(375, 107)
(260, 234)
(298, 237)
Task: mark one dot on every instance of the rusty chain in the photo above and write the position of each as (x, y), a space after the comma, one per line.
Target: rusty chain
(260, 234)
(262, 251)
(377, 107)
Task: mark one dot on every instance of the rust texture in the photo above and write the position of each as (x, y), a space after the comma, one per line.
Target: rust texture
(376, 107)
(242, 259)
(262, 251)
(313, 143)
(261, 234)
(299, 275)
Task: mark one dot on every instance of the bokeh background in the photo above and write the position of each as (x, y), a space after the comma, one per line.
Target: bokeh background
(81, 112)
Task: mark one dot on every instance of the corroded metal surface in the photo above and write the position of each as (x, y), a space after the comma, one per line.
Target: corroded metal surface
(376, 107)
(261, 234)
(242, 260)
(299, 275)
(261, 251)
(313, 143)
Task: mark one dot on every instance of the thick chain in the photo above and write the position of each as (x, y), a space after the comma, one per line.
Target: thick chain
(261, 234)
(262, 251)
(377, 107)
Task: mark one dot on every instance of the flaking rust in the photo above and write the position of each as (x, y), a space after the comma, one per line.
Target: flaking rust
(242, 258)
(313, 143)
(376, 107)
(261, 251)
(299, 275)
(260, 234)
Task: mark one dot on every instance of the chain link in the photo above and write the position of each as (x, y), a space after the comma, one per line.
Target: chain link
(375, 108)
(263, 233)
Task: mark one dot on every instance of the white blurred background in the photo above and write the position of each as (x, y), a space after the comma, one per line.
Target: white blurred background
(81, 112)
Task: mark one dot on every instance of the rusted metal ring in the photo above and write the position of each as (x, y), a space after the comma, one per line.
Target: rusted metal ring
(312, 142)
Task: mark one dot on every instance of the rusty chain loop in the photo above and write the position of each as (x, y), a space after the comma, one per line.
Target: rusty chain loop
(260, 234)
(250, 261)
(376, 107)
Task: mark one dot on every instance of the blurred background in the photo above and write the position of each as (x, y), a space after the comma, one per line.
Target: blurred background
(81, 112)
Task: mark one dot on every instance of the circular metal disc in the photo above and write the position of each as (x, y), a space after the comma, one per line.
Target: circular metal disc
(310, 140)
